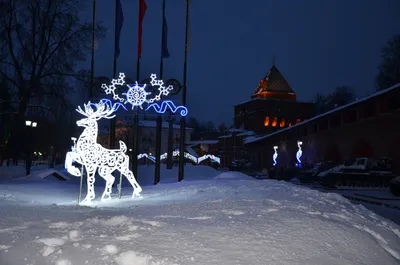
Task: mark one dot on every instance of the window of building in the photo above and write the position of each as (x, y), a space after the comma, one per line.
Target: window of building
(335, 121)
(323, 125)
(383, 106)
(274, 122)
(266, 121)
(393, 104)
(313, 128)
(282, 123)
(350, 116)
(369, 110)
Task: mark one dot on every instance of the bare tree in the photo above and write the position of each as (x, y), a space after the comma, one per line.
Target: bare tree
(342, 95)
(389, 69)
(41, 42)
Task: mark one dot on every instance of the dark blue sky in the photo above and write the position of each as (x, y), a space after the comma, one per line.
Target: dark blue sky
(318, 45)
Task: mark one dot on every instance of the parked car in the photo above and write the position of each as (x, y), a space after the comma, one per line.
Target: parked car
(292, 172)
(363, 172)
(241, 165)
(310, 175)
(394, 186)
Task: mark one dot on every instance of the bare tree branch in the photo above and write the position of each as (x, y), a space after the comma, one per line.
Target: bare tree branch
(8, 113)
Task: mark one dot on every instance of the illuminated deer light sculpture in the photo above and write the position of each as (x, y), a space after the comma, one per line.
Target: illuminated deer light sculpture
(96, 158)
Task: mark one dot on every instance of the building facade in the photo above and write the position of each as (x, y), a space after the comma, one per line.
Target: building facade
(369, 127)
(273, 106)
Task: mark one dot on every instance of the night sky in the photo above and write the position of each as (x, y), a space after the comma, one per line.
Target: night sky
(318, 45)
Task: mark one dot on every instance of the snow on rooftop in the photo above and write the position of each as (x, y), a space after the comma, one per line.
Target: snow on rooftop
(202, 142)
(247, 133)
(209, 218)
(325, 113)
(146, 123)
(225, 136)
(191, 151)
(236, 130)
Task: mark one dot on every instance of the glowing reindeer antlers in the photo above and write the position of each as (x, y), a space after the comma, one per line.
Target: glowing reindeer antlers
(136, 95)
(104, 109)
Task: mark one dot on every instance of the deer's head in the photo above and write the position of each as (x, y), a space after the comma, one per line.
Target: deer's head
(96, 111)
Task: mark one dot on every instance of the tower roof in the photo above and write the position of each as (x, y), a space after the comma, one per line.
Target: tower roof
(273, 83)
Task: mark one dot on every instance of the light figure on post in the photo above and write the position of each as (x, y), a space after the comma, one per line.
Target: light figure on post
(299, 154)
(275, 155)
(94, 157)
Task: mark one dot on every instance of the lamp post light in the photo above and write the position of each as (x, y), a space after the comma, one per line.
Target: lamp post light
(28, 163)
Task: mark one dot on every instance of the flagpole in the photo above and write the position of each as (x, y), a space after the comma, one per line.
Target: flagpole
(159, 119)
(116, 42)
(91, 80)
(93, 44)
(142, 7)
(181, 170)
(136, 129)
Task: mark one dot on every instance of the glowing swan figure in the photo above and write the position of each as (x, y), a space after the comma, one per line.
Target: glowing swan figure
(275, 155)
(299, 152)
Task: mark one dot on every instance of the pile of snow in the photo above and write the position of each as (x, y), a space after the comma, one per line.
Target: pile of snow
(214, 221)
(233, 175)
(41, 171)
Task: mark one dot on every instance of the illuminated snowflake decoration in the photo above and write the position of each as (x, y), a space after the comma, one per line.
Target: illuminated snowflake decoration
(136, 95)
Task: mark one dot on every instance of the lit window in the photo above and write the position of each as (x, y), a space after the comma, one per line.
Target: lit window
(266, 121)
(274, 122)
(297, 121)
(282, 123)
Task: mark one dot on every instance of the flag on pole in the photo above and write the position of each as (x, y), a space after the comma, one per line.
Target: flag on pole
(164, 47)
(119, 21)
(142, 12)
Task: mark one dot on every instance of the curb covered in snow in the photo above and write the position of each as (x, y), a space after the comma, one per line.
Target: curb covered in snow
(371, 202)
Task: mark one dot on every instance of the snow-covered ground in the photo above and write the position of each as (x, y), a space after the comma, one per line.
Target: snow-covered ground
(209, 218)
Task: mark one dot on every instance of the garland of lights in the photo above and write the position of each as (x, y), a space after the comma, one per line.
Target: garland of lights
(299, 152)
(136, 95)
(167, 104)
(187, 155)
(151, 158)
(275, 155)
(94, 157)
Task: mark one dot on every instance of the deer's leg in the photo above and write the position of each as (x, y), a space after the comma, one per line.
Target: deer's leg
(105, 173)
(90, 186)
(131, 178)
(70, 157)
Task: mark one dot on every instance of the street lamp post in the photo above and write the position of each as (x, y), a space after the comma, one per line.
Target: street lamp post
(28, 163)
